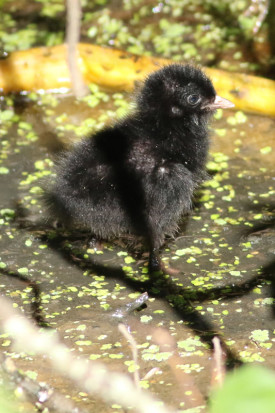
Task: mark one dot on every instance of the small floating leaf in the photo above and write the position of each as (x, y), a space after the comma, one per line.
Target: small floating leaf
(3, 170)
(145, 318)
(266, 150)
(23, 270)
(259, 335)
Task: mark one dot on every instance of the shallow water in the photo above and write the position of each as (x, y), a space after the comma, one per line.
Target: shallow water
(224, 253)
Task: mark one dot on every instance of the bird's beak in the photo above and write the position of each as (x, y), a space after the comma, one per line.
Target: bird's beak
(219, 103)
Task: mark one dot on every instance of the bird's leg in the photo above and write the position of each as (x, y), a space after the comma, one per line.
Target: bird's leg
(155, 263)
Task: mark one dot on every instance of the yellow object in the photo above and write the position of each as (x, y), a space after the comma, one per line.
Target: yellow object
(46, 68)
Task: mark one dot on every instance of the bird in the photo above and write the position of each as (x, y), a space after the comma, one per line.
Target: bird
(138, 175)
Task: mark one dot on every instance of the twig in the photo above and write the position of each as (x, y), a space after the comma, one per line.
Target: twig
(91, 377)
(151, 373)
(194, 397)
(122, 328)
(72, 39)
(218, 371)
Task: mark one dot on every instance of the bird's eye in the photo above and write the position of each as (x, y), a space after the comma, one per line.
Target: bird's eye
(193, 99)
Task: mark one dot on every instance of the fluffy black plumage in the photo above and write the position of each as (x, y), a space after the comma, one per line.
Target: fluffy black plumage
(138, 176)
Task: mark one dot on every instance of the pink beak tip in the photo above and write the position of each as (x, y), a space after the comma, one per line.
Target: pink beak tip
(223, 103)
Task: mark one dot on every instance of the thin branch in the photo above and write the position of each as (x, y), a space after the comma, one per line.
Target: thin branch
(218, 371)
(72, 39)
(193, 396)
(123, 329)
(91, 377)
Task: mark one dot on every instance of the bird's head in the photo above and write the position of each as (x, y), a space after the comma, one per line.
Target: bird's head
(177, 90)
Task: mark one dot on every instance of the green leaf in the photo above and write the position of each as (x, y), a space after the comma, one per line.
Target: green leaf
(249, 390)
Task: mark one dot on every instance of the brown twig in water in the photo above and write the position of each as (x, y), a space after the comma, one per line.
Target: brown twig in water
(194, 397)
(218, 371)
(72, 39)
(123, 329)
(151, 373)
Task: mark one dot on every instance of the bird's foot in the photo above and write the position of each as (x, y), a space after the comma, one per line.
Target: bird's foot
(95, 244)
(169, 270)
(156, 265)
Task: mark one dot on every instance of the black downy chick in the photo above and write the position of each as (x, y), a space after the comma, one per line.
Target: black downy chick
(138, 176)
